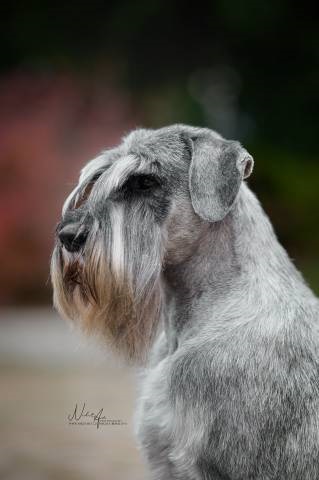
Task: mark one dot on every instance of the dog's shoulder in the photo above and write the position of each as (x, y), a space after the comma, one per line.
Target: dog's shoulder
(250, 353)
(254, 395)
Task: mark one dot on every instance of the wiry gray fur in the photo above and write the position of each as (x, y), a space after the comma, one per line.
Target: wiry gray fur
(231, 389)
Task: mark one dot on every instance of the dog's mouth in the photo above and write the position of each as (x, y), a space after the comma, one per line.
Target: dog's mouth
(72, 269)
(90, 294)
(75, 276)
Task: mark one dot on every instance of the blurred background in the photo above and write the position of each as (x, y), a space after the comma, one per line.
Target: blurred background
(73, 79)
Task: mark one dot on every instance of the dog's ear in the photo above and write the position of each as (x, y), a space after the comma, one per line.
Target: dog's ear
(217, 169)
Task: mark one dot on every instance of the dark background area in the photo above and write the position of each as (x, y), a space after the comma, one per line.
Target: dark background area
(75, 77)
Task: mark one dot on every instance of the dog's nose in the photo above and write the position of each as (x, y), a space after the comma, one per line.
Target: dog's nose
(72, 238)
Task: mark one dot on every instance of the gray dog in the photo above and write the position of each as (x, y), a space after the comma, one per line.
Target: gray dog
(165, 254)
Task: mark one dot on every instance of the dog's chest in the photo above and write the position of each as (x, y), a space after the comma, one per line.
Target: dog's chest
(155, 425)
(154, 412)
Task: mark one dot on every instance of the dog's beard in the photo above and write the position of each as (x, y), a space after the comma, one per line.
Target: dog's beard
(113, 289)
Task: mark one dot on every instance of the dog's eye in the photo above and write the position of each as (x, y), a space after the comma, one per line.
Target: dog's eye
(146, 182)
(141, 183)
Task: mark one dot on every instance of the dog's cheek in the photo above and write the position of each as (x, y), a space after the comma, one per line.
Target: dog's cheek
(183, 229)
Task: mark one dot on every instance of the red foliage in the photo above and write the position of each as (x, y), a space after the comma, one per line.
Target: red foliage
(49, 127)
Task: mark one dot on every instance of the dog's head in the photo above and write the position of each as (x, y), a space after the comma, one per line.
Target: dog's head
(137, 208)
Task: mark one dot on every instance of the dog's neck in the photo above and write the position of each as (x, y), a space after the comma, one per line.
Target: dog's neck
(237, 273)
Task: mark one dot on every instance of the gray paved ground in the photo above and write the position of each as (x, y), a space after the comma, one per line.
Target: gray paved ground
(44, 371)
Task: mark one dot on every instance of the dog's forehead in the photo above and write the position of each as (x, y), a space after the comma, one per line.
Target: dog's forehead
(162, 144)
(140, 150)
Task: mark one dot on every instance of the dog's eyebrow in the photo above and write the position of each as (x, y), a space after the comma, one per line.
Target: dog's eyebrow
(97, 164)
(118, 173)
(108, 177)
(85, 190)
(101, 162)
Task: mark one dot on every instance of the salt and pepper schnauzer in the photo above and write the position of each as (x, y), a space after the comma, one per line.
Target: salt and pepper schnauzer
(166, 254)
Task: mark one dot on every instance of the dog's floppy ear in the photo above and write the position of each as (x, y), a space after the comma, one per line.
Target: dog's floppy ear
(217, 169)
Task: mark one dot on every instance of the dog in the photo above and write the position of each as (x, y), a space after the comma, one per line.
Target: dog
(165, 254)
